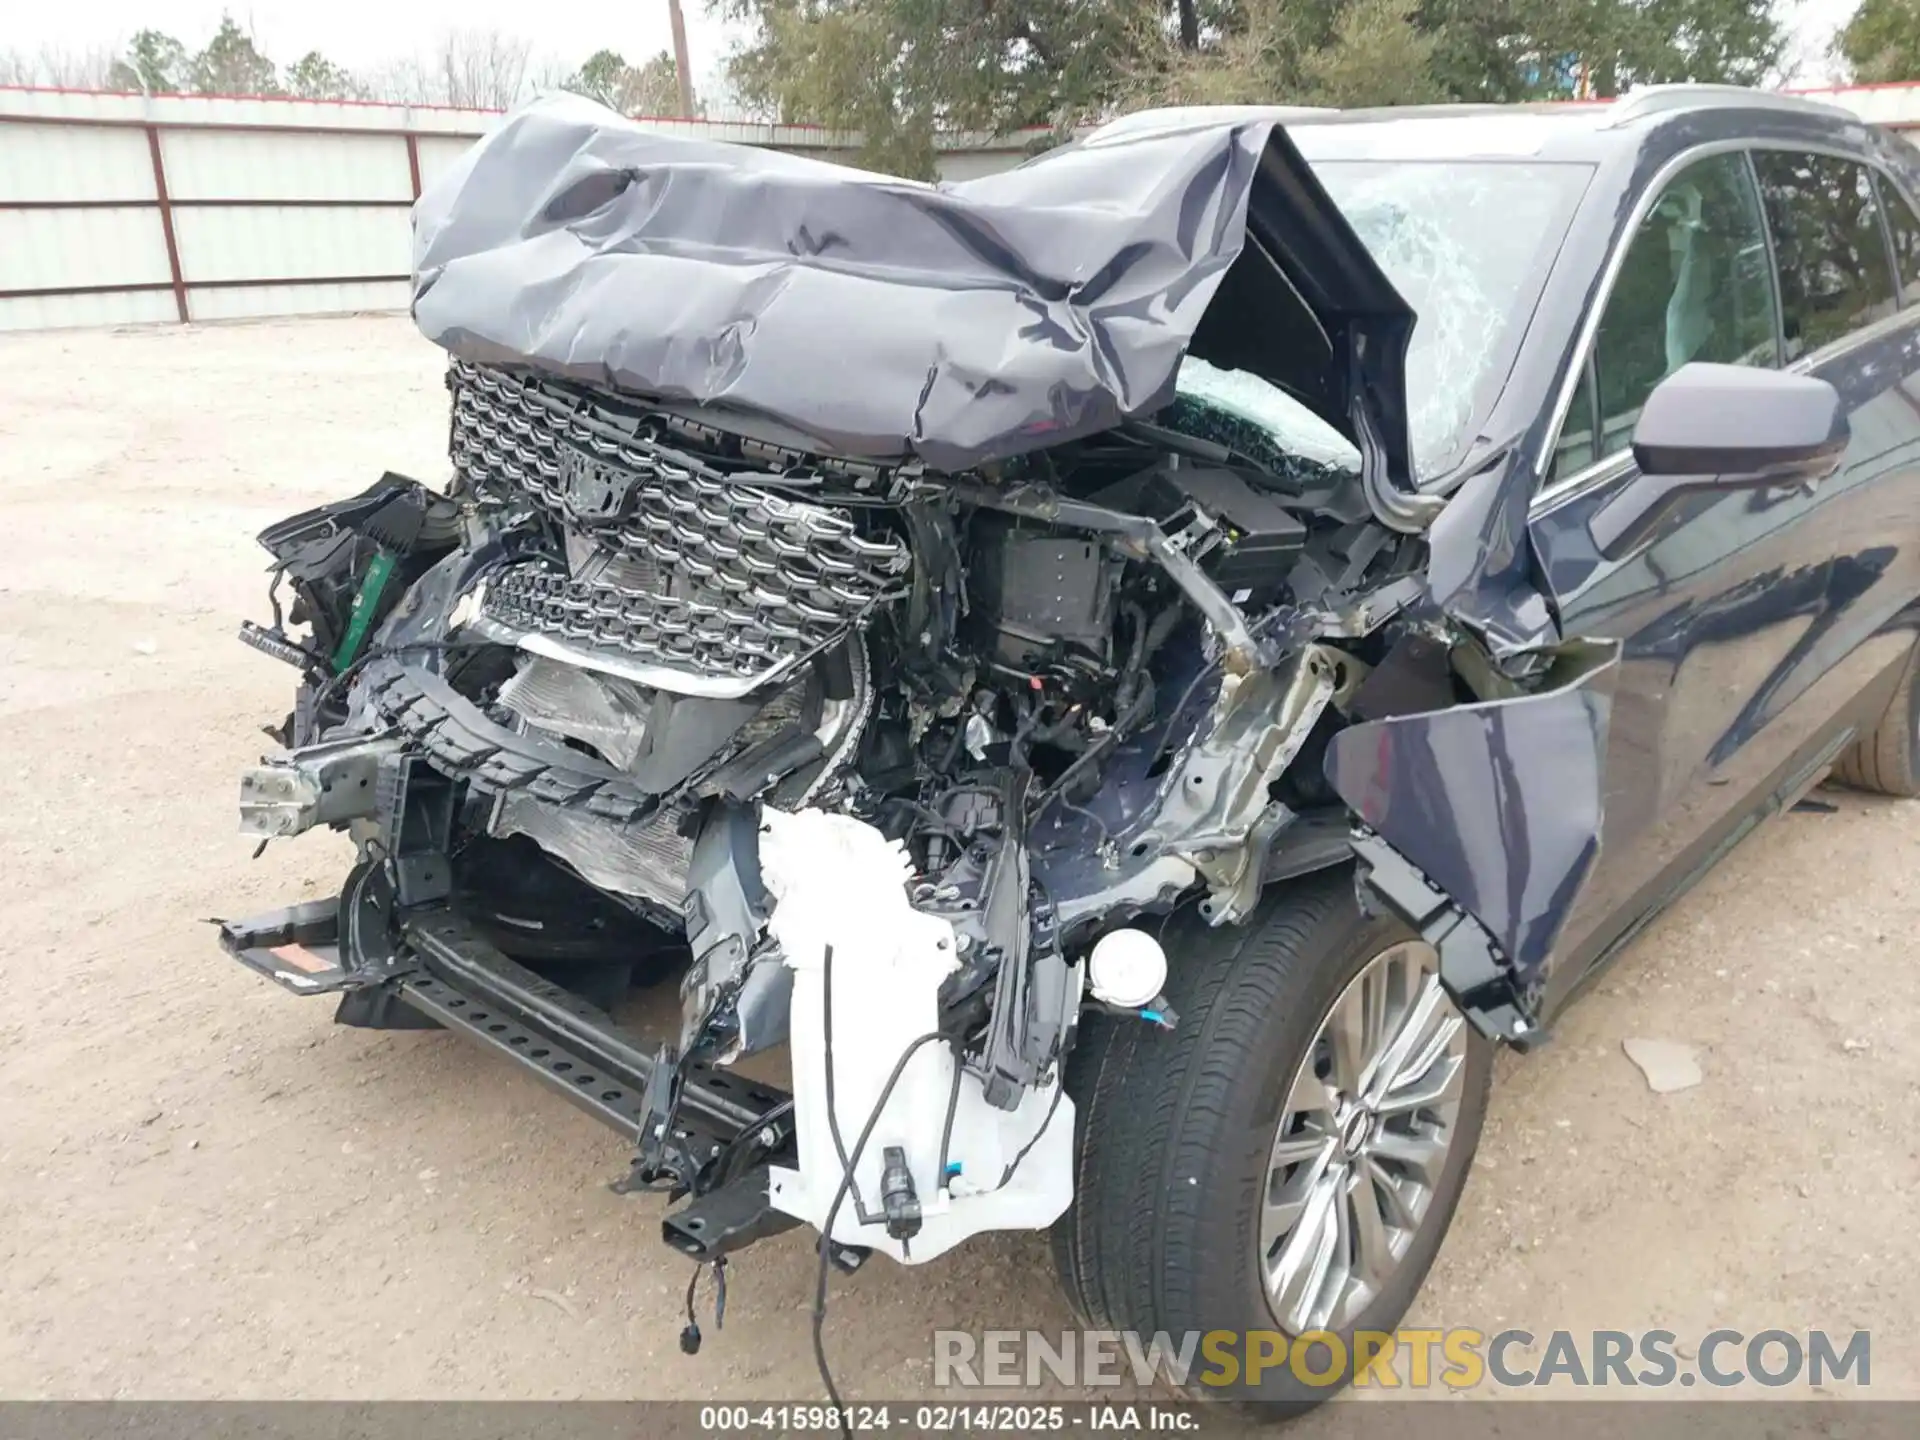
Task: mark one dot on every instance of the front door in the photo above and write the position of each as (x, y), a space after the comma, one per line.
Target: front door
(1747, 620)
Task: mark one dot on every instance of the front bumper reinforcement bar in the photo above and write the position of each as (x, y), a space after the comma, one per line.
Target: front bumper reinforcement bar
(443, 970)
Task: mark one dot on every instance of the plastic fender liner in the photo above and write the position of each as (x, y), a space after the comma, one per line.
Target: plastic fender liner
(1497, 805)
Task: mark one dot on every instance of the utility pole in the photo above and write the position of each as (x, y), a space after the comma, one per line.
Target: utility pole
(682, 67)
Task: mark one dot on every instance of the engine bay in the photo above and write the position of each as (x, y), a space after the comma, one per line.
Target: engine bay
(924, 709)
(848, 748)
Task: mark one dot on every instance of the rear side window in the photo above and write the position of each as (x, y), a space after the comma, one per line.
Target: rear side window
(1834, 274)
(1904, 227)
(1693, 285)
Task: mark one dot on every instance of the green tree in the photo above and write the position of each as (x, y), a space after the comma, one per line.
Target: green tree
(601, 78)
(899, 71)
(1726, 42)
(1375, 55)
(314, 77)
(1882, 41)
(1351, 52)
(1500, 51)
(230, 65)
(155, 63)
(649, 89)
(1301, 52)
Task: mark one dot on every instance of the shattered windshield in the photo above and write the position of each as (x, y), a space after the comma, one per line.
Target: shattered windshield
(1466, 243)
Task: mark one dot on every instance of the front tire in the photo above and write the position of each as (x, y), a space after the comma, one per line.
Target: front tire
(1222, 1168)
(1887, 760)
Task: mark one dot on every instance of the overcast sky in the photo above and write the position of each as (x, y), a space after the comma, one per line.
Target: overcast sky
(365, 33)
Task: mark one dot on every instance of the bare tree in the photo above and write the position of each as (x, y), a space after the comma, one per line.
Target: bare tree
(403, 82)
(59, 67)
(77, 69)
(483, 69)
(547, 74)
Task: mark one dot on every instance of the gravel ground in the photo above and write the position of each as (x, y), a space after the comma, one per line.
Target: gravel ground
(208, 1190)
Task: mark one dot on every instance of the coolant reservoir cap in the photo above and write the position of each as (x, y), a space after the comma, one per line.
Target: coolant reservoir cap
(1127, 968)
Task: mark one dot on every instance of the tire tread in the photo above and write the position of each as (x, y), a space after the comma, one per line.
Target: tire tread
(1151, 1237)
(1883, 761)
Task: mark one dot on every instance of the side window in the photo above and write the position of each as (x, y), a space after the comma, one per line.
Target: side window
(1904, 227)
(1834, 275)
(1694, 285)
(1579, 443)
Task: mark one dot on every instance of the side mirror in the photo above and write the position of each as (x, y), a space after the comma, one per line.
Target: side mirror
(1723, 427)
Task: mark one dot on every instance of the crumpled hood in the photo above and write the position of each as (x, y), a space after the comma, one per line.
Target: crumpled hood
(887, 319)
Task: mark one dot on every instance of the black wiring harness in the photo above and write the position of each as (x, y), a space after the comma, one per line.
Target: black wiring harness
(849, 1160)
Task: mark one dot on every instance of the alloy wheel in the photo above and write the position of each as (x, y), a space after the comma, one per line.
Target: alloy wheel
(1369, 1121)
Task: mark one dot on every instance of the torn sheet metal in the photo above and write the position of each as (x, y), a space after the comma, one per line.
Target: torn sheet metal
(649, 860)
(1497, 804)
(603, 711)
(887, 319)
(1480, 569)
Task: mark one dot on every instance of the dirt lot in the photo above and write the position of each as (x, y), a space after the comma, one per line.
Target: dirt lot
(206, 1189)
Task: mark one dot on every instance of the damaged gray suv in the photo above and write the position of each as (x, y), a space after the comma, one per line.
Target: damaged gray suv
(1109, 688)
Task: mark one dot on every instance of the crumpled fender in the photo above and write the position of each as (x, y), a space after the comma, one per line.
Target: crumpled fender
(1498, 807)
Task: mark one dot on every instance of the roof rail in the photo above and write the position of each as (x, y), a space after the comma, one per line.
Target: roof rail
(1644, 100)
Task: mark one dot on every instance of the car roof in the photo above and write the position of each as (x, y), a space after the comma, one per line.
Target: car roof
(1641, 105)
(1574, 130)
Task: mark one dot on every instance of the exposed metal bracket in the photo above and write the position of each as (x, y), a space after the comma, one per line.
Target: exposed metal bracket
(322, 784)
(1216, 810)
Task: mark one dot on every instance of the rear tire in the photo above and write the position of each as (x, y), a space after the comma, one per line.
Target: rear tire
(1177, 1134)
(1886, 761)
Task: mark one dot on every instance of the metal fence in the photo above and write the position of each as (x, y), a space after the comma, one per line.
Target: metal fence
(119, 209)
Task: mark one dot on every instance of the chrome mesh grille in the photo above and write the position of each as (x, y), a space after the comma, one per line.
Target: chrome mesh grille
(742, 582)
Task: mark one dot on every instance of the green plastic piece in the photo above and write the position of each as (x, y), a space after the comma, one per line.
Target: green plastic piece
(365, 605)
